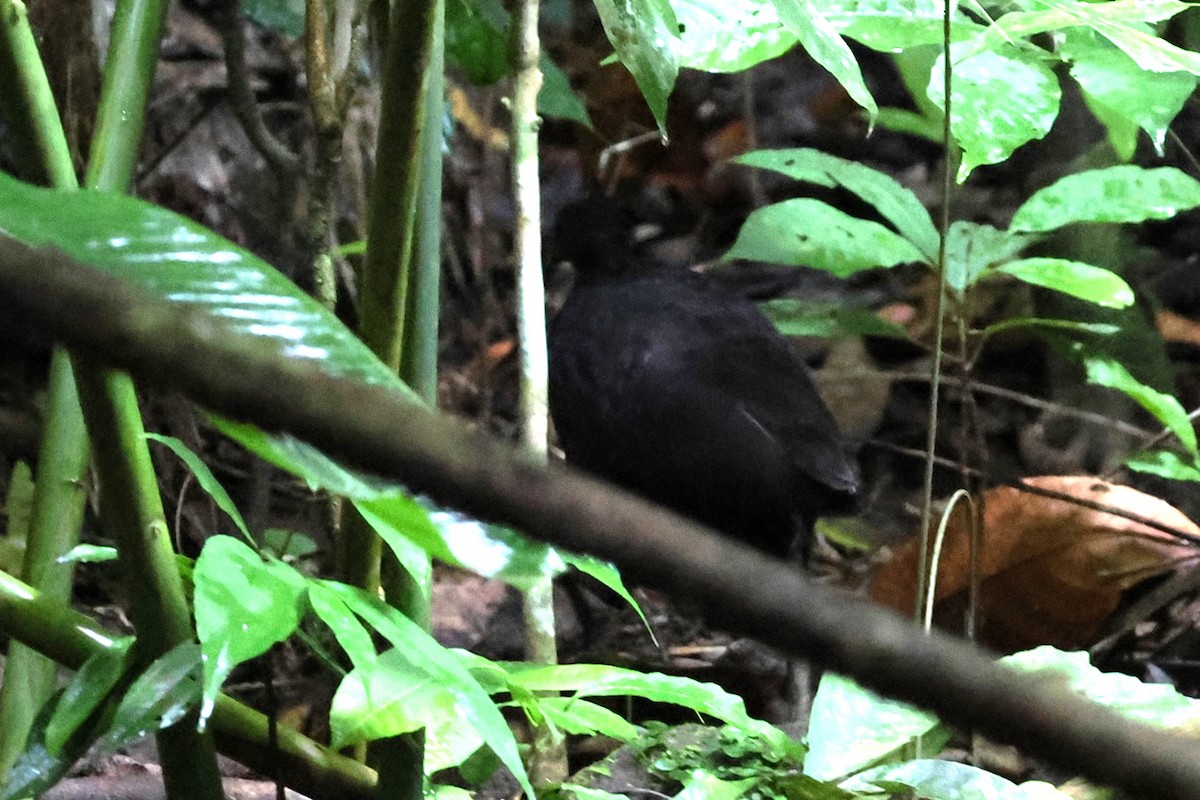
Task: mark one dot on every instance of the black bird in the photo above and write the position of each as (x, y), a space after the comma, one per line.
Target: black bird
(665, 383)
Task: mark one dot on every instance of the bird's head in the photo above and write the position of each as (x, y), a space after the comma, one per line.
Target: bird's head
(593, 234)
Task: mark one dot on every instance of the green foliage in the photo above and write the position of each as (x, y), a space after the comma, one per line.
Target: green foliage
(719, 762)
(208, 482)
(1005, 89)
(861, 739)
(107, 704)
(808, 231)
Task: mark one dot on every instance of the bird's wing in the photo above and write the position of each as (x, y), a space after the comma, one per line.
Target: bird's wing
(762, 392)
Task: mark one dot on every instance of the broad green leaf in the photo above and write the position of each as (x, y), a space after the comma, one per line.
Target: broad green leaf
(234, 586)
(477, 43)
(88, 690)
(972, 247)
(729, 35)
(346, 627)
(1164, 407)
(318, 470)
(208, 482)
(1151, 703)
(420, 655)
(1085, 281)
(892, 26)
(556, 97)
(704, 785)
(386, 697)
(577, 716)
(607, 574)
(1165, 464)
(806, 232)
(161, 696)
(806, 21)
(901, 120)
(1122, 95)
(477, 39)
(175, 258)
(948, 780)
(802, 318)
(999, 101)
(851, 728)
(1058, 14)
(896, 204)
(36, 769)
(645, 35)
(1124, 193)
(599, 680)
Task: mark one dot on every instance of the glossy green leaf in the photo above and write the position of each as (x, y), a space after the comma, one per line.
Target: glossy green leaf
(1085, 281)
(806, 232)
(999, 101)
(1122, 95)
(851, 728)
(645, 34)
(36, 769)
(794, 317)
(972, 247)
(420, 656)
(1052, 15)
(350, 633)
(233, 586)
(208, 482)
(1165, 464)
(729, 35)
(175, 258)
(577, 716)
(386, 697)
(896, 25)
(1156, 704)
(902, 120)
(1124, 193)
(318, 470)
(87, 691)
(806, 20)
(600, 680)
(607, 574)
(1164, 407)
(896, 204)
(161, 696)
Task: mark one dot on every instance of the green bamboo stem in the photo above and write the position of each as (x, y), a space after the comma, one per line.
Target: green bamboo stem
(130, 506)
(28, 105)
(70, 638)
(58, 502)
(384, 300)
(419, 360)
(42, 154)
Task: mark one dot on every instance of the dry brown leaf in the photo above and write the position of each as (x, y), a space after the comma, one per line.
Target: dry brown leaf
(1051, 571)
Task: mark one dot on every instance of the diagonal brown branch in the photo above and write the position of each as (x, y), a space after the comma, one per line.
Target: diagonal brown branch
(373, 428)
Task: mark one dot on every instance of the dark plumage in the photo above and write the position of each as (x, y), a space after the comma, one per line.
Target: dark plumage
(665, 383)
